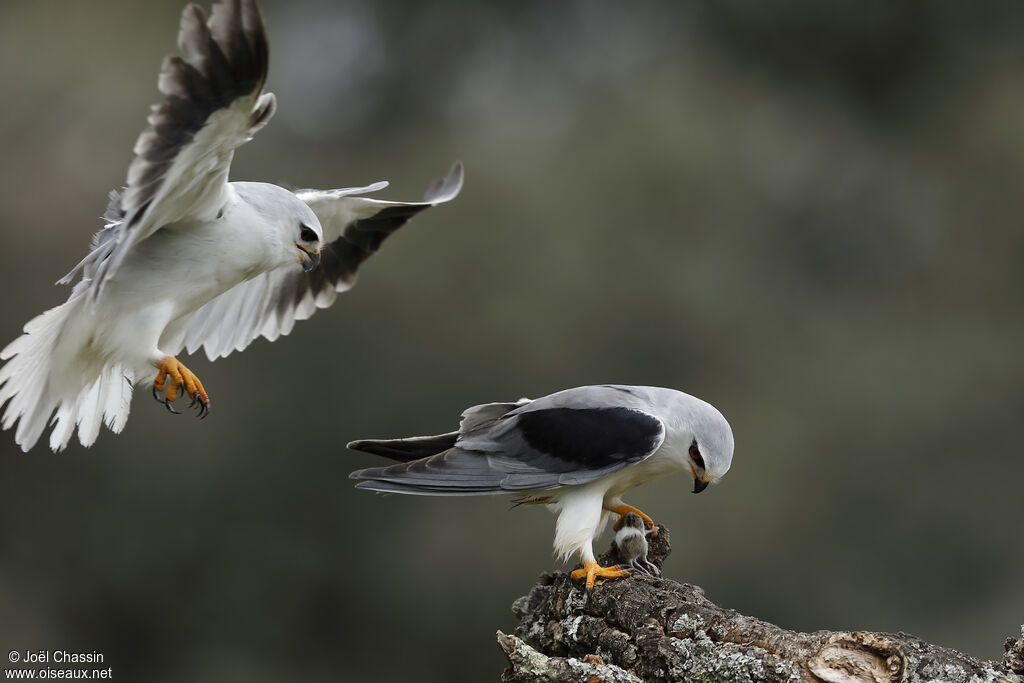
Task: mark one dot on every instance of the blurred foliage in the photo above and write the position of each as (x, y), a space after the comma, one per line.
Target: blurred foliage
(806, 213)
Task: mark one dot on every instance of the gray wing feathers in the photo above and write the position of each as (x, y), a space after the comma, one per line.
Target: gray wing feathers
(212, 106)
(565, 439)
(477, 416)
(454, 472)
(458, 472)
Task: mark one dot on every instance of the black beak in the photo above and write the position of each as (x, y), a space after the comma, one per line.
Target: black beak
(312, 261)
(699, 485)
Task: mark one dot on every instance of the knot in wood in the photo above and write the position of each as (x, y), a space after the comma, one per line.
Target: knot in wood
(859, 657)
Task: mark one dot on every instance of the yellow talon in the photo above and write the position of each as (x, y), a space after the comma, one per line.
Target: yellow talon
(180, 378)
(592, 571)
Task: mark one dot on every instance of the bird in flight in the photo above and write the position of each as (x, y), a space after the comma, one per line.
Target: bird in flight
(187, 259)
(576, 451)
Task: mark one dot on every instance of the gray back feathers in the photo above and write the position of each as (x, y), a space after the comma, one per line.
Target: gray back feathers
(569, 438)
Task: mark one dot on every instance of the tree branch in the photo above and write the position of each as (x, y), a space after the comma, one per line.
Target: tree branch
(651, 629)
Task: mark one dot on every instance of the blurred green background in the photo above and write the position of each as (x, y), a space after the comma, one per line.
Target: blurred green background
(807, 213)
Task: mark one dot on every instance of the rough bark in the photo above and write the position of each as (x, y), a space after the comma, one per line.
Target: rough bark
(651, 629)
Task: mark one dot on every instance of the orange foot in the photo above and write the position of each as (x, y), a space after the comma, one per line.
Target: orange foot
(624, 510)
(169, 366)
(592, 571)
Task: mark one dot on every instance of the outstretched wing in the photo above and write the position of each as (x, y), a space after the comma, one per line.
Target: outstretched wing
(529, 448)
(269, 304)
(354, 228)
(213, 105)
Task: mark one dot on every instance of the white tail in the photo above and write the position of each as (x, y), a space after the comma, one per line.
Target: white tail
(32, 392)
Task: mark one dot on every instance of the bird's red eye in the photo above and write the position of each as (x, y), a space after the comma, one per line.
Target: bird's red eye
(695, 454)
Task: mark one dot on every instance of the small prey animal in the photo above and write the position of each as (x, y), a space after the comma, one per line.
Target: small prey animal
(631, 542)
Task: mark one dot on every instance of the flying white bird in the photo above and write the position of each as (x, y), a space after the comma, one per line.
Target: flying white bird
(187, 259)
(577, 451)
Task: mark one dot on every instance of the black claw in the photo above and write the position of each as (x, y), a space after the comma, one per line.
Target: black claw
(165, 402)
(202, 407)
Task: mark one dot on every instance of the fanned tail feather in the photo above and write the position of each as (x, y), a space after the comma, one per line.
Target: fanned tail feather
(24, 378)
(27, 387)
(105, 401)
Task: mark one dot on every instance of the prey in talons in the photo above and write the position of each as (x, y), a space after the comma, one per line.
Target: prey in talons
(623, 510)
(577, 451)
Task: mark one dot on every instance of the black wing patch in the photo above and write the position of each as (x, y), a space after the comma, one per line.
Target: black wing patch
(589, 438)
(544, 449)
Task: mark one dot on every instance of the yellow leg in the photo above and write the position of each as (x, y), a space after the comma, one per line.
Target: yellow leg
(180, 378)
(592, 571)
(623, 510)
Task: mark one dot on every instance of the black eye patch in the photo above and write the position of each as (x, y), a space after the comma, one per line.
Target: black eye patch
(307, 234)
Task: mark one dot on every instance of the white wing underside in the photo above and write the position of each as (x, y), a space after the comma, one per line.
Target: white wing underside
(195, 187)
(243, 313)
(269, 304)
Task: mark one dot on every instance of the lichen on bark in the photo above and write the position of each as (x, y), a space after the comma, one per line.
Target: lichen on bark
(653, 629)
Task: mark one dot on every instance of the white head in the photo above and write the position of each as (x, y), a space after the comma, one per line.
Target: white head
(295, 229)
(709, 453)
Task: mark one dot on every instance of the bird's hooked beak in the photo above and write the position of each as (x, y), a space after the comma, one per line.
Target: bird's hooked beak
(310, 258)
(699, 483)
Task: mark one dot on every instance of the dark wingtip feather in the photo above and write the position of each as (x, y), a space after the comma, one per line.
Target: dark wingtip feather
(363, 238)
(341, 258)
(223, 58)
(406, 450)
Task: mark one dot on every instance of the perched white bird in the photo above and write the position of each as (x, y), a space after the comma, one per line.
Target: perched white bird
(577, 451)
(186, 258)
(631, 543)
